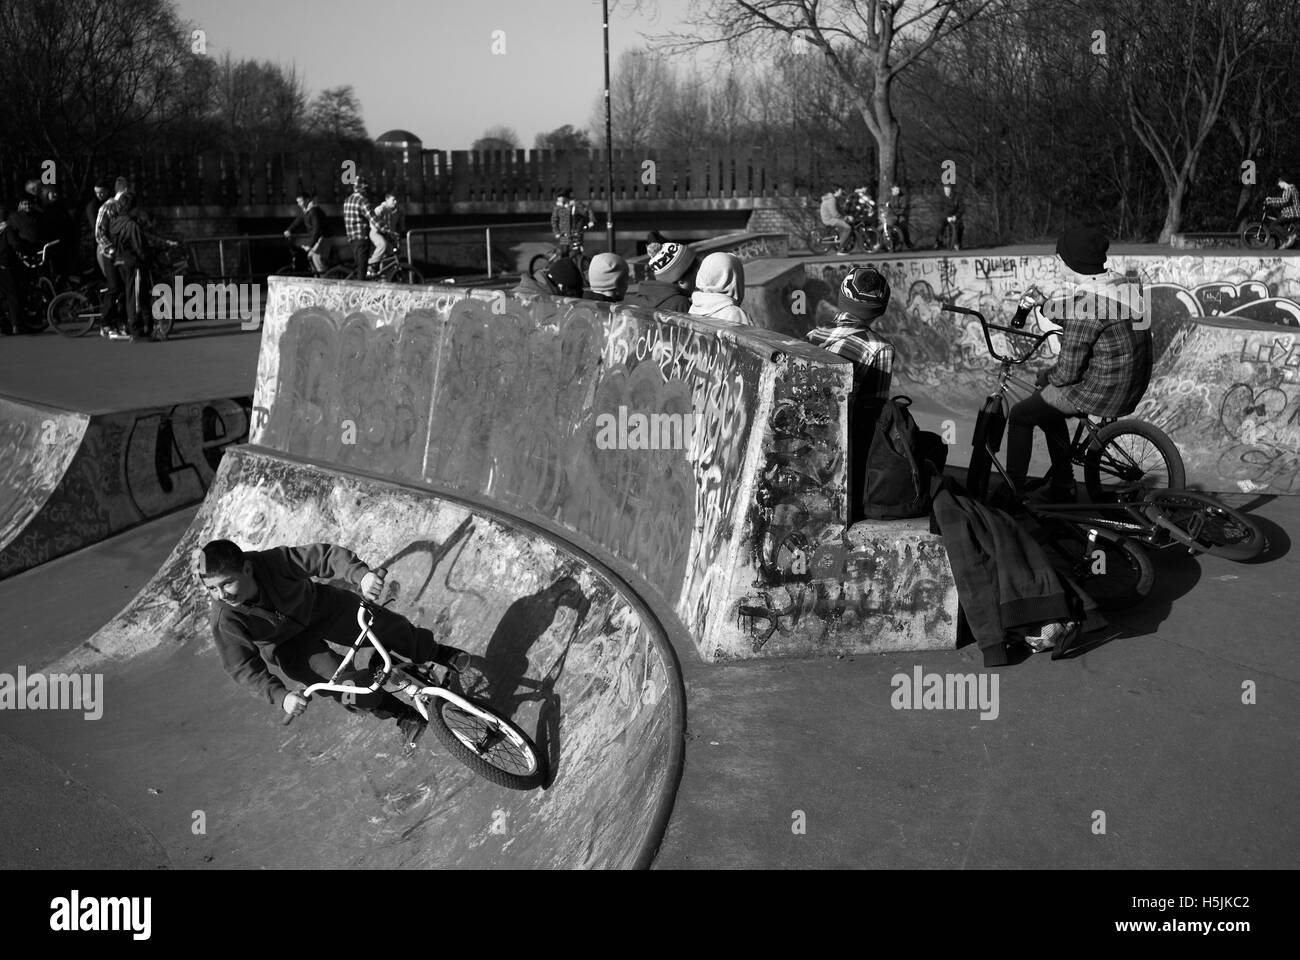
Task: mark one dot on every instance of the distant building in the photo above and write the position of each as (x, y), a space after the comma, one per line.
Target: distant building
(403, 140)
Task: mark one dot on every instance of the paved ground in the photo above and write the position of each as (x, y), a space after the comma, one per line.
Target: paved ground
(1147, 727)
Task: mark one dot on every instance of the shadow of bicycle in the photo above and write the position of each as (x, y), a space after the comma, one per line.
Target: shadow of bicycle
(504, 680)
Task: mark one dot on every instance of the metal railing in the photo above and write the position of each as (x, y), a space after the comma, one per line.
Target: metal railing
(192, 242)
(487, 235)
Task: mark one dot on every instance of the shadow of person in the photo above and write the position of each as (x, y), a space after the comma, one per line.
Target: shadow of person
(504, 664)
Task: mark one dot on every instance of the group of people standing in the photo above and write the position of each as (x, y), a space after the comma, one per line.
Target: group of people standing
(37, 218)
(841, 210)
(371, 229)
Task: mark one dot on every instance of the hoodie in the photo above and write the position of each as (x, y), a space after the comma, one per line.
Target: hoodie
(247, 633)
(720, 288)
(660, 295)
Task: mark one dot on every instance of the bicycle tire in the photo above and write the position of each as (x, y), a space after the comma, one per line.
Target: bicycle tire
(537, 263)
(473, 759)
(337, 273)
(71, 314)
(408, 275)
(1256, 236)
(821, 243)
(1160, 504)
(1126, 574)
(1108, 456)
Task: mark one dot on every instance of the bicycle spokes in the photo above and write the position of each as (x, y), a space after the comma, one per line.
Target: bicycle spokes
(488, 740)
(1132, 459)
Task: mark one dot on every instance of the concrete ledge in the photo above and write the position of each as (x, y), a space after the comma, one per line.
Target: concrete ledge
(746, 245)
(1201, 241)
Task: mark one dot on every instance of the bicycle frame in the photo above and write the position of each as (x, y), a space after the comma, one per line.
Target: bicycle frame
(416, 692)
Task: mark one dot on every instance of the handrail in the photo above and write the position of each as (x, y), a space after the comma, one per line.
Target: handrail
(487, 234)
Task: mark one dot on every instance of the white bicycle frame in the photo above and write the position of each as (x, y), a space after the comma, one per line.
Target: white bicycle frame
(364, 620)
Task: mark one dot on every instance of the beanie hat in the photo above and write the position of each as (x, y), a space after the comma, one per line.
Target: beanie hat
(1083, 250)
(670, 261)
(566, 278)
(608, 274)
(864, 293)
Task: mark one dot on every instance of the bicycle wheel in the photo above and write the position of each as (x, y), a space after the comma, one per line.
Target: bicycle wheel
(405, 274)
(337, 273)
(488, 744)
(1113, 570)
(1205, 524)
(1128, 458)
(71, 314)
(584, 265)
(537, 263)
(821, 243)
(1257, 237)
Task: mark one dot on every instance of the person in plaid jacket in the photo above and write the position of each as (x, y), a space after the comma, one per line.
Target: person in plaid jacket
(359, 219)
(1288, 214)
(1102, 370)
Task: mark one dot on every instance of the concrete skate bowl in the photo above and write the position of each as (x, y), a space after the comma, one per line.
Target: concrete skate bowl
(1226, 332)
(68, 480)
(734, 527)
(573, 658)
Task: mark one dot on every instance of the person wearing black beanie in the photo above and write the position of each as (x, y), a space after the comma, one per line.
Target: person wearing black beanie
(1102, 369)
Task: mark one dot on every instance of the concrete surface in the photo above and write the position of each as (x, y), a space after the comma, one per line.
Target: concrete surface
(566, 654)
(68, 480)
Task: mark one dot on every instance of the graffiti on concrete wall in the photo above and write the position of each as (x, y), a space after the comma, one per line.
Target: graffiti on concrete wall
(499, 395)
(812, 584)
(1231, 399)
(128, 468)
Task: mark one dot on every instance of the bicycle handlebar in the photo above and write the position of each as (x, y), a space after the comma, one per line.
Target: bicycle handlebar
(365, 617)
(1038, 338)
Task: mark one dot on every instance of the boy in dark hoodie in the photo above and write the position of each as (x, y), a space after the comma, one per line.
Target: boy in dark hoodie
(672, 268)
(266, 608)
(559, 279)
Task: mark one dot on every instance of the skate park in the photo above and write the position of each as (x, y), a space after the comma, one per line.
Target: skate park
(697, 635)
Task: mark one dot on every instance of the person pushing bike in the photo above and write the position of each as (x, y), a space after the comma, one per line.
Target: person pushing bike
(312, 219)
(1102, 370)
(267, 609)
(568, 221)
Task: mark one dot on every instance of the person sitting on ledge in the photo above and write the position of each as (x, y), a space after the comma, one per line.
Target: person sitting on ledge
(672, 268)
(720, 288)
(607, 277)
(863, 299)
(266, 608)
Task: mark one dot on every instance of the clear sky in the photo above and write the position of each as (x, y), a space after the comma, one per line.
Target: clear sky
(427, 65)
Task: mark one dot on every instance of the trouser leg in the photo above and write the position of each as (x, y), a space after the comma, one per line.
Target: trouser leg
(1033, 412)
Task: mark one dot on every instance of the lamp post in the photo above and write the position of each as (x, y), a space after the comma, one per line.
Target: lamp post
(609, 142)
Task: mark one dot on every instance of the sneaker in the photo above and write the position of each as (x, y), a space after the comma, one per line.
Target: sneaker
(453, 658)
(118, 335)
(1050, 634)
(1290, 242)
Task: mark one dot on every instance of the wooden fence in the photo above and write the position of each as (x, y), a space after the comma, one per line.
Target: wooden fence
(444, 177)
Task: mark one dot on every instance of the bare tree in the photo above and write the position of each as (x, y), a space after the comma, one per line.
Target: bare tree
(497, 138)
(258, 105)
(1177, 61)
(867, 45)
(335, 114)
(82, 78)
(640, 84)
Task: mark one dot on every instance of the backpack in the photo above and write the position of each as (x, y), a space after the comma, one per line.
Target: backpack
(900, 462)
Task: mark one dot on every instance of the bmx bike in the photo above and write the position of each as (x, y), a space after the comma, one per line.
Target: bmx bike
(1266, 232)
(475, 734)
(1134, 477)
(861, 233)
(300, 264)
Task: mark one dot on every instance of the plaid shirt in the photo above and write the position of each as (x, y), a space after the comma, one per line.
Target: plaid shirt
(103, 242)
(358, 217)
(1289, 202)
(1105, 364)
(570, 219)
(872, 355)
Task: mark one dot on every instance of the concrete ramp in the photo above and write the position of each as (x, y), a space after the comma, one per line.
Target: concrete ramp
(68, 480)
(572, 657)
